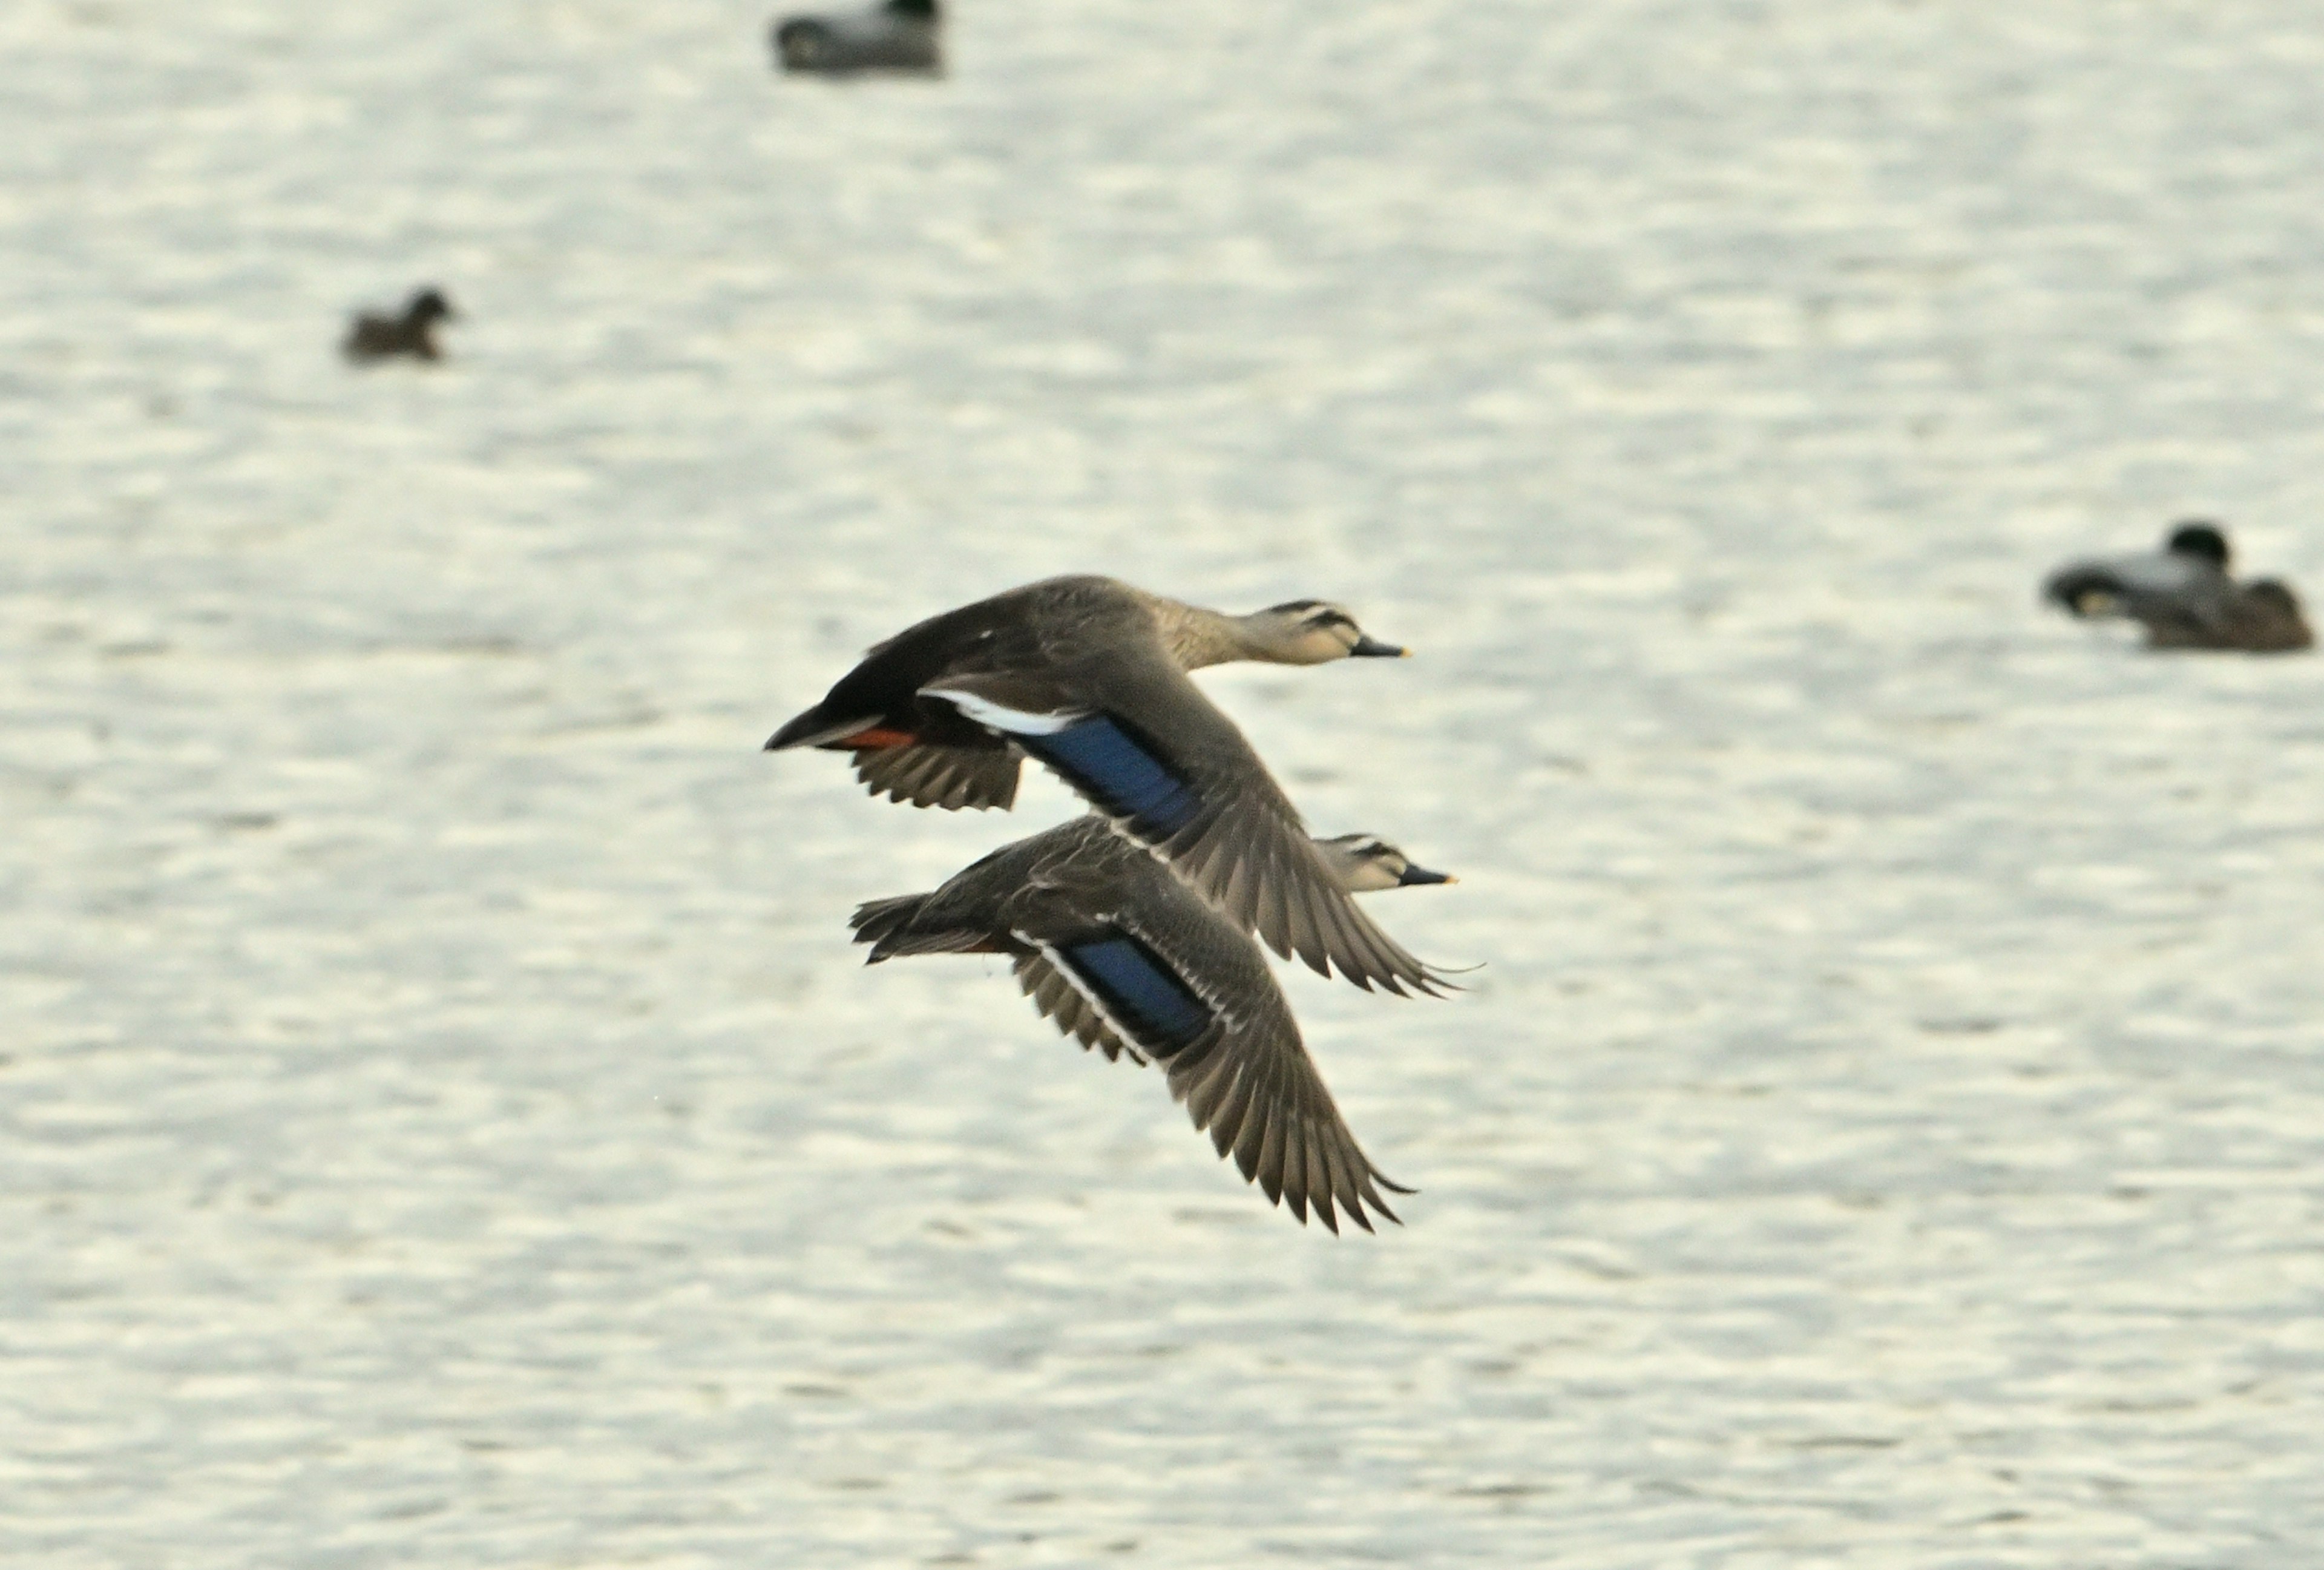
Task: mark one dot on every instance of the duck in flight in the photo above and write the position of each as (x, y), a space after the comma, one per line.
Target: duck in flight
(1088, 676)
(2185, 596)
(1126, 958)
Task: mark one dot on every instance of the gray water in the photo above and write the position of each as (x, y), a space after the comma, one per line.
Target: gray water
(442, 1121)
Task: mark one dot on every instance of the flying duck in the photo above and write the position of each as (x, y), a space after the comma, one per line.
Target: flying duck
(375, 337)
(900, 35)
(2185, 596)
(1089, 675)
(1125, 958)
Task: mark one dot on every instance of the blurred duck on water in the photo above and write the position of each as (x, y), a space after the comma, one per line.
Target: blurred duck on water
(1088, 675)
(376, 337)
(1126, 958)
(904, 36)
(2185, 596)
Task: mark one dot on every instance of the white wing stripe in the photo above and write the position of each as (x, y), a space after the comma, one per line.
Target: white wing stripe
(1000, 717)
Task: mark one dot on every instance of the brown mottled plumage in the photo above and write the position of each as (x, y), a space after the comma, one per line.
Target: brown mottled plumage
(1128, 959)
(1089, 675)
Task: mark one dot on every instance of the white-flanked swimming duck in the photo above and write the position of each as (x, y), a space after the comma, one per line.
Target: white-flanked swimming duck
(900, 35)
(1126, 959)
(2185, 596)
(1089, 675)
(375, 336)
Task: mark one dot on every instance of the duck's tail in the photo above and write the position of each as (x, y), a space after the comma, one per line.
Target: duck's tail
(816, 728)
(887, 926)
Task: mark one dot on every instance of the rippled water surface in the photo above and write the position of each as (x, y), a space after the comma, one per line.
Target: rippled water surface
(442, 1121)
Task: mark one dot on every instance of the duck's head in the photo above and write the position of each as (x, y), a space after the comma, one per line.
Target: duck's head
(917, 9)
(1366, 863)
(430, 306)
(2202, 540)
(1310, 633)
(799, 42)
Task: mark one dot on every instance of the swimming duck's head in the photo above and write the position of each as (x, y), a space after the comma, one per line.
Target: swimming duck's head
(1366, 862)
(2202, 540)
(1310, 633)
(800, 42)
(918, 10)
(428, 305)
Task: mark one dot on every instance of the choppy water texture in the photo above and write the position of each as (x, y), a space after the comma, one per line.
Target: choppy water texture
(442, 1121)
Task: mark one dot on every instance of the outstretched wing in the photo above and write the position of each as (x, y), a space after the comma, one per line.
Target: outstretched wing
(1141, 743)
(1061, 1003)
(949, 777)
(1241, 1071)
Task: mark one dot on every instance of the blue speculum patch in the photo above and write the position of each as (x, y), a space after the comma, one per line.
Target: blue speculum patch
(1118, 772)
(1141, 993)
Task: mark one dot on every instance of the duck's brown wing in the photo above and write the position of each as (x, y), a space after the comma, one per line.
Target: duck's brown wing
(1141, 743)
(1070, 1012)
(1195, 996)
(949, 777)
(1257, 1092)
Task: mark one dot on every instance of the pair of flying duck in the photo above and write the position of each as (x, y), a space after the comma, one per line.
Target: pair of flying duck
(1131, 928)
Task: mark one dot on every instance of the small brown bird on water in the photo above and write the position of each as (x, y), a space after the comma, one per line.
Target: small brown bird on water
(375, 337)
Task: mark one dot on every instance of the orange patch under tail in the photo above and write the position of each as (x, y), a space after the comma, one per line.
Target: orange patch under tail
(876, 737)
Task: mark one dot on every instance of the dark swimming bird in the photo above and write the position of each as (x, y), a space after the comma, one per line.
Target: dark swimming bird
(1126, 958)
(375, 337)
(1089, 677)
(2185, 596)
(900, 35)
